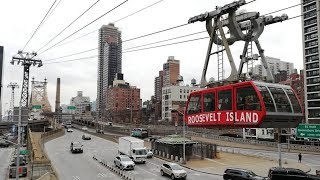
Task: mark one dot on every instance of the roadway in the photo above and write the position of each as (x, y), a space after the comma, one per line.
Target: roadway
(312, 160)
(69, 166)
(5, 158)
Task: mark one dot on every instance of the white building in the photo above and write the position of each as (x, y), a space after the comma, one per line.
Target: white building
(174, 97)
(258, 133)
(80, 102)
(275, 66)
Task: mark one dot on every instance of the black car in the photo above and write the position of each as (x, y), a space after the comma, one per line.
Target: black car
(278, 173)
(243, 174)
(3, 143)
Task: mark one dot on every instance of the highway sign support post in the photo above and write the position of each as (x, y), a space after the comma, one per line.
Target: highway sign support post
(308, 131)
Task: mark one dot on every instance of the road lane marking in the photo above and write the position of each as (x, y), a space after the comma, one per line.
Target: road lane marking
(75, 177)
(147, 171)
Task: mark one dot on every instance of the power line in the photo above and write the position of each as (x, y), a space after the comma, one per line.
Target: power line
(89, 57)
(282, 9)
(166, 44)
(71, 54)
(51, 12)
(77, 38)
(165, 40)
(130, 47)
(85, 26)
(174, 27)
(138, 11)
(68, 25)
(114, 22)
(39, 25)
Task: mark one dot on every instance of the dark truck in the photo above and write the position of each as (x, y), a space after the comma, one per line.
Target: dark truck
(22, 166)
(277, 173)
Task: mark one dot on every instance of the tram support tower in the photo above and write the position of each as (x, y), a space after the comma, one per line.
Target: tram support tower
(26, 60)
(12, 86)
(251, 22)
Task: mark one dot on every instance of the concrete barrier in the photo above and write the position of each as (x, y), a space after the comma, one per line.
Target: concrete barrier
(176, 159)
(171, 157)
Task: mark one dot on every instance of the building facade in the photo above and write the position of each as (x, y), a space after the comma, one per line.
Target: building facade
(124, 101)
(275, 65)
(82, 103)
(174, 97)
(310, 40)
(158, 84)
(171, 71)
(109, 62)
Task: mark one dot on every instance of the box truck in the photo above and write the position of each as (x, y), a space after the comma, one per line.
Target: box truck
(134, 148)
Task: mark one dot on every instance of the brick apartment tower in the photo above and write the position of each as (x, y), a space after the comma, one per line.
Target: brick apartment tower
(171, 71)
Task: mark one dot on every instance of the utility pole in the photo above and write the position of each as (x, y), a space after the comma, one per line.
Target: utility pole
(26, 60)
(10, 112)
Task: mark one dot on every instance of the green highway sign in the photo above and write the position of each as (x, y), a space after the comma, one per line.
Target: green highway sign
(308, 131)
(72, 107)
(36, 107)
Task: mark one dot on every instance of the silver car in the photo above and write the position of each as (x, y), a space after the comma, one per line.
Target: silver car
(123, 162)
(173, 170)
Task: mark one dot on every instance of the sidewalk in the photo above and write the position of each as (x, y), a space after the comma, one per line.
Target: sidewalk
(258, 165)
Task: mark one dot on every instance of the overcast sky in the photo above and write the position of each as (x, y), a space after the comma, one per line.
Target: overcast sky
(19, 18)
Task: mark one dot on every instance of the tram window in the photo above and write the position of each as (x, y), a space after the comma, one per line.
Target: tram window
(267, 99)
(194, 105)
(247, 99)
(225, 100)
(280, 99)
(208, 101)
(294, 101)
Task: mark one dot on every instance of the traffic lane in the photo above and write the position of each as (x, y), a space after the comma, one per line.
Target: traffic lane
(107, 151)
(5, 158)
(75, 166)
(308, 159)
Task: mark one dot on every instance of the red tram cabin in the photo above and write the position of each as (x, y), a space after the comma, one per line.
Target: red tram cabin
(244, 104)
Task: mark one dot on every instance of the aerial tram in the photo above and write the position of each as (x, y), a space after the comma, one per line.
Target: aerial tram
(238, 102)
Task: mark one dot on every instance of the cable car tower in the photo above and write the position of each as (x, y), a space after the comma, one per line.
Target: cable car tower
(251, 22)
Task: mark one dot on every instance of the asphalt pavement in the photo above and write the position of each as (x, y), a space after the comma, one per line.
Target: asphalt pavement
(310, 160)
(82, 166)
(5, 157)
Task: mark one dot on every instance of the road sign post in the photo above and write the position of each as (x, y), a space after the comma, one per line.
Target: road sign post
(308, 131)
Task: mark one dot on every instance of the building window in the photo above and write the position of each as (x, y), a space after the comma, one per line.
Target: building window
(225, 100)
(180, 96)
(187, 91)
(184, 91)
(209, 102)
(180, 90)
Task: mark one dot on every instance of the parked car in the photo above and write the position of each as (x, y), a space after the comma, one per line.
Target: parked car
(149, 153)
(86, 137)
(243, 174)
(76, 146)
(173, 170)
(123, 162)
(69, 130)
(84, 128)
(277, 173)
(3, 143)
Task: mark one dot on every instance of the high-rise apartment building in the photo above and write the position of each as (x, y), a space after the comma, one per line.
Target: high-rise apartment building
(158, 84)
(275, 65)
(310, 37)
(171, 71)
(109, 62)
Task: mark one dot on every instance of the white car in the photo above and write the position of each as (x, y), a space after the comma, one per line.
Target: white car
(123, 162)
(69, 130)
(149, 153)
(84, 128)
(173, 170)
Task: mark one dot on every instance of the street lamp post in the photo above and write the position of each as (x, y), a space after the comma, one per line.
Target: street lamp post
(184, 136)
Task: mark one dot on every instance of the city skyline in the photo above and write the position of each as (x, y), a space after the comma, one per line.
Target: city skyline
(81, 75)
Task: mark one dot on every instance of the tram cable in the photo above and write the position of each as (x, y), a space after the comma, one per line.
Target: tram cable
(35, 31)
